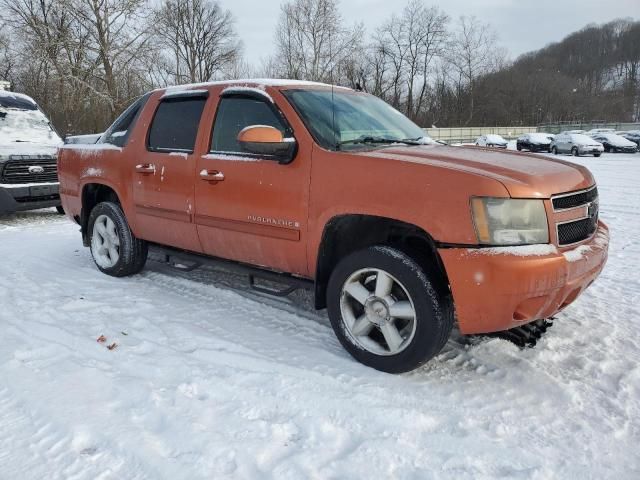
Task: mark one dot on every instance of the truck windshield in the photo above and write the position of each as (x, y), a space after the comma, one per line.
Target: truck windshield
(360, 119)
(20, 125)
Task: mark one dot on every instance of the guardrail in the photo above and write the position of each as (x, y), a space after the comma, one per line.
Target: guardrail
(469, 134)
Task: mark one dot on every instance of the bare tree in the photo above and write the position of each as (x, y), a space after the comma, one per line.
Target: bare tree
(312, 42)
(199, 37)
(473, 52)
(406, 47)
(118, 33)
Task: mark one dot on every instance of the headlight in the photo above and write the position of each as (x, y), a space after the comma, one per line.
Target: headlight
(506, 221)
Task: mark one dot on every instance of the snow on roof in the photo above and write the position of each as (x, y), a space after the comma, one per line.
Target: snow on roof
(259, 82)
(15, 95)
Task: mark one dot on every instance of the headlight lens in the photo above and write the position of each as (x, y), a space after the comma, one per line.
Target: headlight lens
(507, 221)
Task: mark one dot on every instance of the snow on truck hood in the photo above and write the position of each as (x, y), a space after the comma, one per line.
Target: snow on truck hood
(523, 175)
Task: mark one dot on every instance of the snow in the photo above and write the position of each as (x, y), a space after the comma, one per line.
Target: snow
(520, 250)
(262, 82)
(88, 149)
(211, 380)
(239, 157)
(21, 96)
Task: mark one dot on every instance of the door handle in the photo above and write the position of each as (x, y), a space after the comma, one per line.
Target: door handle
(146, 168)
(212, 175)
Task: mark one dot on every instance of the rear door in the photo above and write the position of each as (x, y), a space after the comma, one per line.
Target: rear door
(164, 171)
(256, 212)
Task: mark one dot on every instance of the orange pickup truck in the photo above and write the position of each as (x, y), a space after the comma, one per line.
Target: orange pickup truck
(332, 189)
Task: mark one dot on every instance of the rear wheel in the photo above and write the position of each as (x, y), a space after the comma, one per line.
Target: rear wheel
(554, 150)
(115, 250)
(385, 310)
(575, 152)
(596, 154)
(60, 210)
(519, 147)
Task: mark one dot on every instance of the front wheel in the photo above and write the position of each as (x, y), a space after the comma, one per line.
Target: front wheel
(386, 311)
(115, 250)
(60, 210)
(554, 150)
(575, 152)
(596, 155)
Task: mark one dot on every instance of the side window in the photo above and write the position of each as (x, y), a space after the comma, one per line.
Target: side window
(236, 113)
(118, 133)
(175, 124)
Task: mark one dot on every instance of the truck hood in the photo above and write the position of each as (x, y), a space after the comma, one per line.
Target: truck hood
(523, 175)
(9, 149)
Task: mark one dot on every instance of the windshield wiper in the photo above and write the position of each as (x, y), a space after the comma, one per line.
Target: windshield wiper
(377, 141)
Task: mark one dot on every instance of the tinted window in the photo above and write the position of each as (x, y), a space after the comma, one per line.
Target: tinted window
(118, 133)
(236, 113)
(175, 124)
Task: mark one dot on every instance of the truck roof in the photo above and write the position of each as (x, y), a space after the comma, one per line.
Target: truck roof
(249, 82)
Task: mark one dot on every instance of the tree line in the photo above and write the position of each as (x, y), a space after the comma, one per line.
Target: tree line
(84, 61)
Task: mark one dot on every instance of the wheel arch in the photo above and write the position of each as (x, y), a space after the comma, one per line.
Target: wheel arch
(346, 233)
(93, 193)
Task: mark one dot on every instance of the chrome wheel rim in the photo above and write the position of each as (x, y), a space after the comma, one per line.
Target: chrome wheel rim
(105, 242)
(377, 312)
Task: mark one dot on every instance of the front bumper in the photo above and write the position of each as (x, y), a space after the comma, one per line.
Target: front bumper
(624, 149)
(497, 289)
(587, 150)
(18, 198)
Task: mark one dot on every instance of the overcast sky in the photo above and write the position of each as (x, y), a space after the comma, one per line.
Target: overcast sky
(522, 25)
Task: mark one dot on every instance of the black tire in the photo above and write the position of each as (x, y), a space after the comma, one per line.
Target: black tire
(554, 150)
(596, 155)
(133, 252)
(519, 147)
(575, 152)
(433, 312)
(60, 210)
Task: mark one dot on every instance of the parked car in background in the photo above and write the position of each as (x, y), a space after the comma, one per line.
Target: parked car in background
(28, 155)
(263, 177)
(593, 131)
(615, 143)
(576, 144)
(534, 142)
(491, 140)
(632, 135)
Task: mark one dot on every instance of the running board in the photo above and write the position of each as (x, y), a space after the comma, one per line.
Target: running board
(525, 335)
(185, 261)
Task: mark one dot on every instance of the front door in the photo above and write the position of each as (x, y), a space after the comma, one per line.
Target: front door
(251, 208)
(163, 187)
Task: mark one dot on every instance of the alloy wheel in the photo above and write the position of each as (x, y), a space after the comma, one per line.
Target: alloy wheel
(105, 242)
(378, 312)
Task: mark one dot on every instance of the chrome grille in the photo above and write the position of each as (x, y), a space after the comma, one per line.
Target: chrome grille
(585, 204)
(30, 170)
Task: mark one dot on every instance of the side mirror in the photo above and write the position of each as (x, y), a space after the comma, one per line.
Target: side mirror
(266, 140)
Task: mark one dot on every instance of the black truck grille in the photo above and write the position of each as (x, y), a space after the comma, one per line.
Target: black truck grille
(574, 231)
(30, 170)
(575, 200)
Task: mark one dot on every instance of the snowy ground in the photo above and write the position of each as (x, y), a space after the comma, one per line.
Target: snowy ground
(210, 380)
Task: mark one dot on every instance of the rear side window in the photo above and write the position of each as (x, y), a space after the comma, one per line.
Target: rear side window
(175, 125)
(236, 113)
